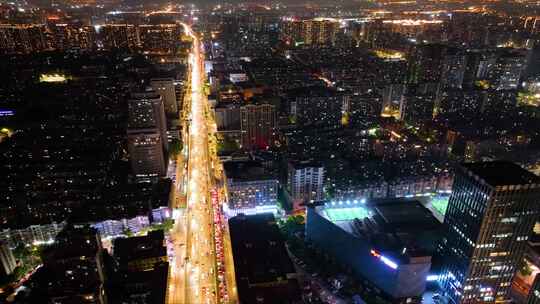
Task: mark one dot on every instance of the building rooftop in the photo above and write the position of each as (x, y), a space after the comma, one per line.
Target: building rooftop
(140, 247)
(262, 265)
(501, 173)
(247, 171)
(387, 224)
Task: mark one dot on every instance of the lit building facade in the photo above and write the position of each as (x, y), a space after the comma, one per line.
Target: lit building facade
(147, 135)
(305, 181)
(491, 213)
(165, 88)
(7, 260)
(146, 153)
(318, 31)
(251, 188)
(257, 124)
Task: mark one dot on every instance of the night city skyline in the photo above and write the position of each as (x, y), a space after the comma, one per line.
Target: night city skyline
(270, 152)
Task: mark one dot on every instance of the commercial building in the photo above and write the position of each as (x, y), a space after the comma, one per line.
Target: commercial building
(7, 260)
(251, 188)
(146, 153)
(147, 135)
(264, 272)
(491, 213)
(147, 110)
(387, 244)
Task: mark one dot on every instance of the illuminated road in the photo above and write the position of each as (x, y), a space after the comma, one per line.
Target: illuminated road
(193, 278)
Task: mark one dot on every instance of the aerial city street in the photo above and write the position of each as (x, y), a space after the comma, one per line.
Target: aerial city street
(270, 152)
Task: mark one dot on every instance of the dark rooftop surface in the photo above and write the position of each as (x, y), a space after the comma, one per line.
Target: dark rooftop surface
(404, 215)
(151, 245)
(500, 173)
(247, 171)
(262, 265)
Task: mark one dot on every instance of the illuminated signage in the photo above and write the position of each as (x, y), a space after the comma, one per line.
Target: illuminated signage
(384, 259)
(6, 113)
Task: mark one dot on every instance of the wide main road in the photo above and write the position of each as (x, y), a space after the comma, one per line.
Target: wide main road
(193, 276)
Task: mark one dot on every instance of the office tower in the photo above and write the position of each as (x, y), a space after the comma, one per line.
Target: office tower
(165, 88)
(491, 213)
(146, 153)
(73, 268)
(147, 135)
(506, 72)
(7, 260)
(305, 180)
(257, 124)
(146, 110)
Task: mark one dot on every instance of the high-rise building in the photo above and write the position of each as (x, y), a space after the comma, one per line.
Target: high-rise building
(141, 253)
(506, 72)
(305, 181)
(491, 213)
(61, 35)
(147, 135)
(418, 107)
(74, 268)
(160, 39)
(393, 101)
(21, 38)
(146, 110)
(119, 36)
(318, 31)
(251, 187)
(227, 116)
(453, 69)
(425, 64)
(257, 124)
(7, 260)
(146, 153)
(165, 88)
(322, 31)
